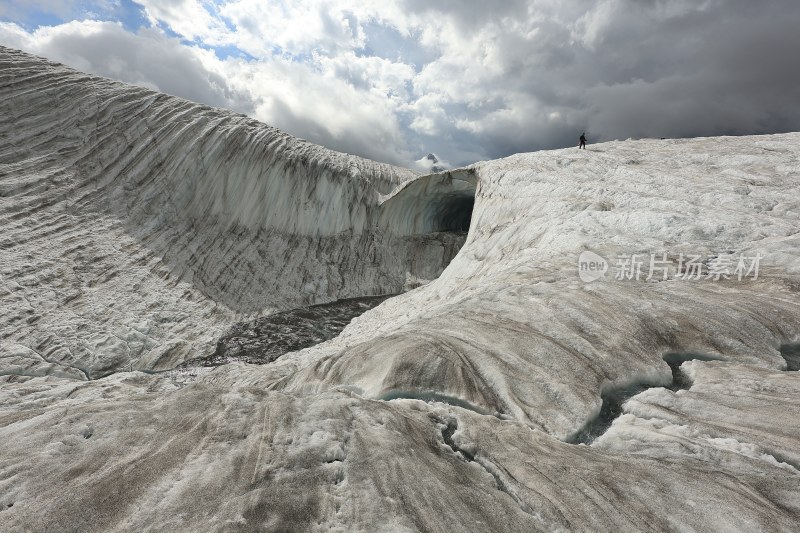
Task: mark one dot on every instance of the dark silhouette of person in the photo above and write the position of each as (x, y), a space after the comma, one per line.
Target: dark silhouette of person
(583, 141)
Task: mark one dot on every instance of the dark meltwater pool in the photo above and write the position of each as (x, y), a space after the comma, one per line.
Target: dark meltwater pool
(265, 339)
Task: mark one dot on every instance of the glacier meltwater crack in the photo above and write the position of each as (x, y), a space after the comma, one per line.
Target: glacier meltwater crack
(449, 429)
(265, 339)
(433, 396)
(614, 397)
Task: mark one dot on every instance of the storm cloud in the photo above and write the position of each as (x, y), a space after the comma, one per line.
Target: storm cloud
(467, 80)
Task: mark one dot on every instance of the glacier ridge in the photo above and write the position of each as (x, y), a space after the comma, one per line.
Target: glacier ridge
(220, 216)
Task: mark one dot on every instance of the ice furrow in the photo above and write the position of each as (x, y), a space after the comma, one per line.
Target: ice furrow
(209, 193)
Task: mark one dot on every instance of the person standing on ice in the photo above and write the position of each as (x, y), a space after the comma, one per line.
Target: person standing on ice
(583, 141)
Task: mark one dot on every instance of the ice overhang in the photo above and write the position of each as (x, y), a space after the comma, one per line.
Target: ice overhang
(441, 202)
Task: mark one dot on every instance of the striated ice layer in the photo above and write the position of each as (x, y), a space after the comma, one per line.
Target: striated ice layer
(138, 227)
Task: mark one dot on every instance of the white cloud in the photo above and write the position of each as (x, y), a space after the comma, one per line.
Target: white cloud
(430, 118)
(20, 10)
(294, 27)
(14, 36)
(191, 19)
(322, 108)
(148, 59)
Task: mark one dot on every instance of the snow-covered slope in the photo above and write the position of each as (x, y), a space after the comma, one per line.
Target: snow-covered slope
(449, 407)
(136, 225)
(510, 326)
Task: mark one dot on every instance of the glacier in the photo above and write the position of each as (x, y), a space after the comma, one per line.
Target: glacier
(139, 227)
(219, 216)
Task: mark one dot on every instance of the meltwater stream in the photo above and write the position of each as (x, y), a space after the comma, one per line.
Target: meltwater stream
(265, 339)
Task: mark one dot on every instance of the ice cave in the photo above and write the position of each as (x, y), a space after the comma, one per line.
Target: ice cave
(432, 204)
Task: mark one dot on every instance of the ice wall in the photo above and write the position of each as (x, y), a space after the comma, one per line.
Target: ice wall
(213, 214)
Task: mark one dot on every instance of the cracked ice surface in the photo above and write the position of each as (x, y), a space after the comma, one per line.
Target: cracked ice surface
(137, 227)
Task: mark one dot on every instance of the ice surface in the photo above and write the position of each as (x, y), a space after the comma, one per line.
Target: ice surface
(137, 227)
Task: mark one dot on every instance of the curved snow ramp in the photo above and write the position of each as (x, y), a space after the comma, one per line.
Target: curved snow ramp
(145, 223)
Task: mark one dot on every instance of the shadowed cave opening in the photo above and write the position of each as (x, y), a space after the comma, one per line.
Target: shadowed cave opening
(453, 213)
(439, 203)
(791, 353)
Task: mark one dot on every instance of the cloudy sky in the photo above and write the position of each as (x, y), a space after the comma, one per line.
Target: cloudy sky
(467, 80)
